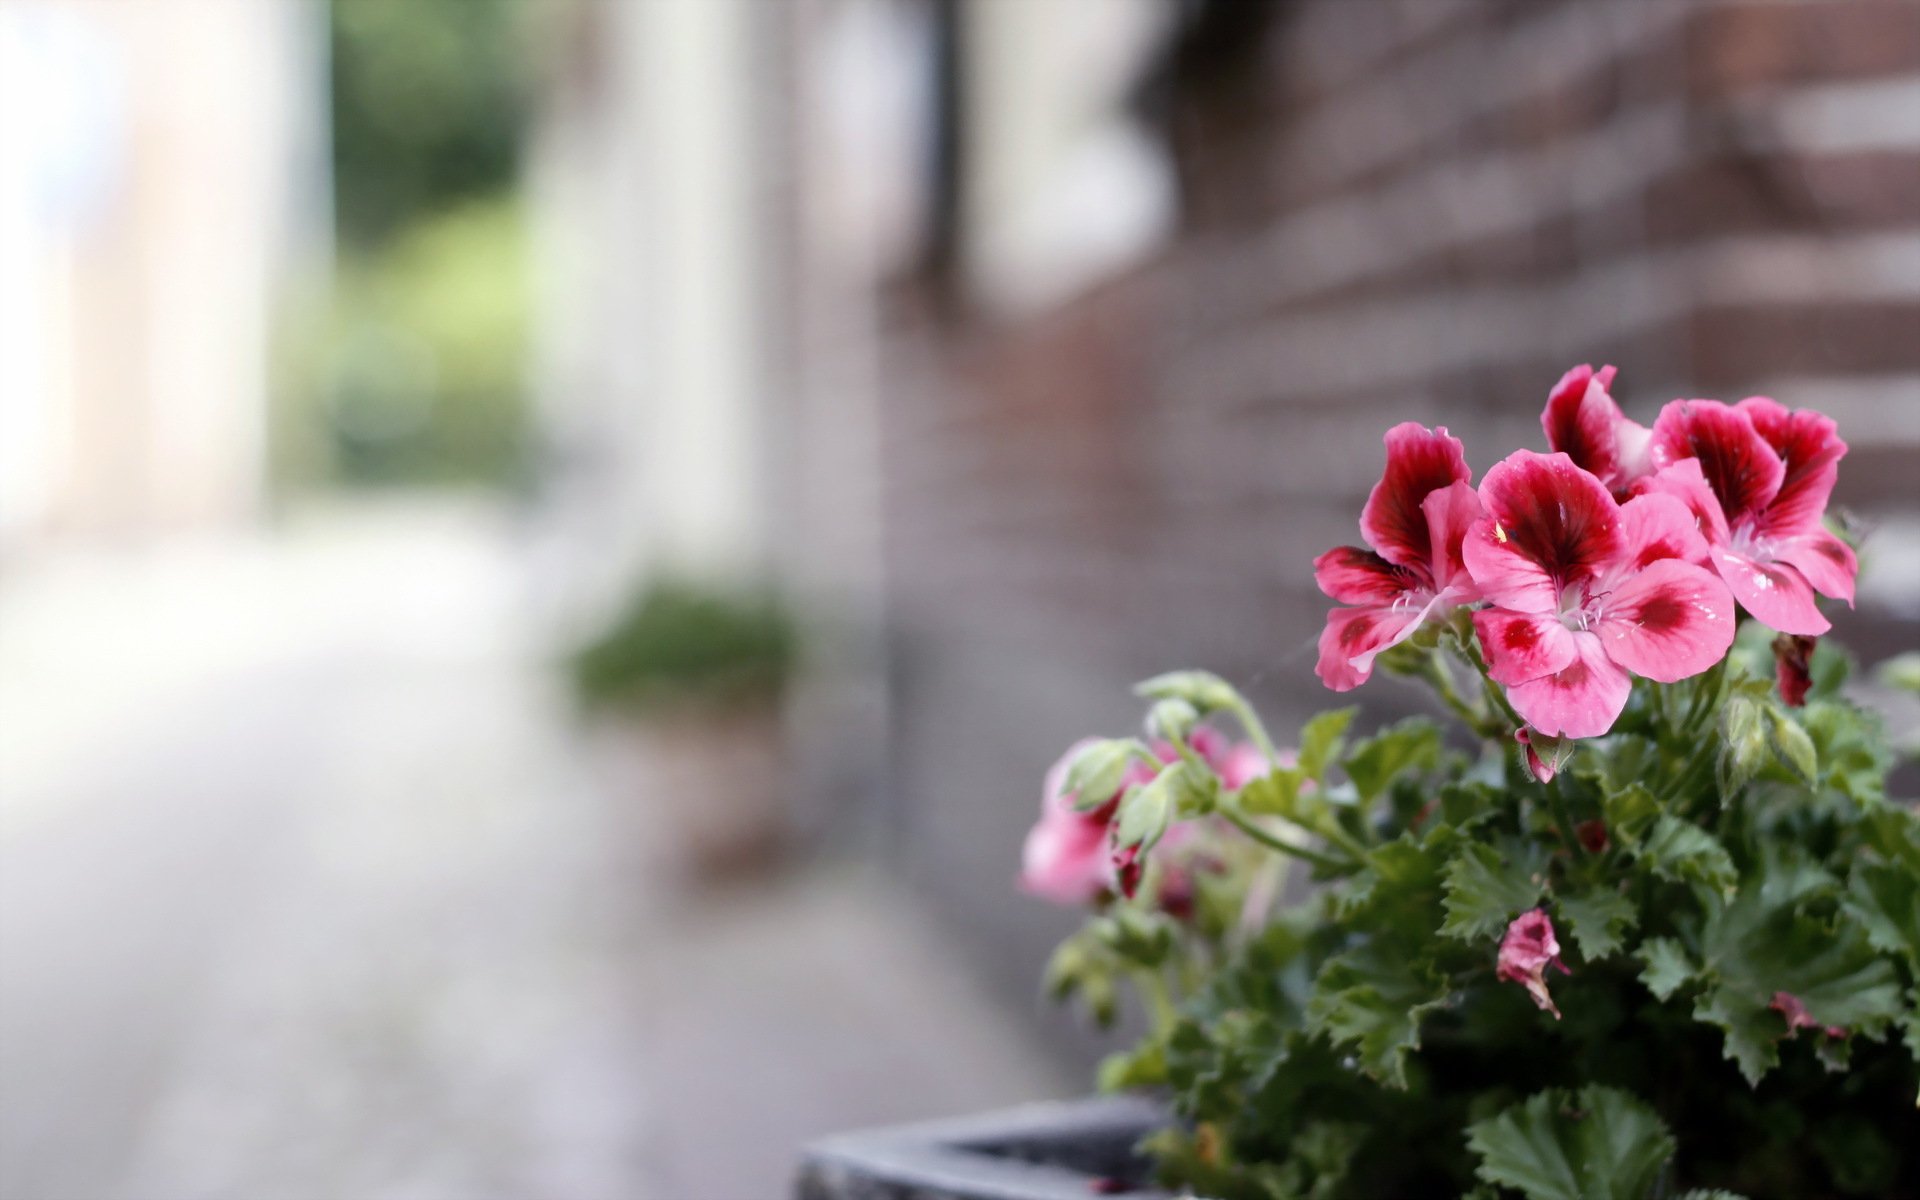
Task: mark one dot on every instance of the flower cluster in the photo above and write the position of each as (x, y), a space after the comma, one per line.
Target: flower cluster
(1670, 822)
(1620, 553)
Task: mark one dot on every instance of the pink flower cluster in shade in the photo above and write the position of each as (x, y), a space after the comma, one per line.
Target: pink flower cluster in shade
(1069, 858)
(1621, 552)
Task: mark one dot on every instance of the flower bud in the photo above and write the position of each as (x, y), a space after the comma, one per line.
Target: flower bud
(1792, 659)
(1172, 719)
(1204, 690)
(1544, 755)
(1096, 772)
(1743, 739)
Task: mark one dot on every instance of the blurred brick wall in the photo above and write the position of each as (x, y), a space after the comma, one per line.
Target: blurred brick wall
(1413, 210)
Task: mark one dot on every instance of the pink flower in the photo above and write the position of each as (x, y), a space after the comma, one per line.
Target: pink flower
(1582, 421)
(1584, 590)
(1526, 952)
(1760, 480)
(1414, 521)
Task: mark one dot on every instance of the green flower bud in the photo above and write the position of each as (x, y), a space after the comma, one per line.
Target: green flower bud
(1172, 719)
(1204, 690)
(1095, 773)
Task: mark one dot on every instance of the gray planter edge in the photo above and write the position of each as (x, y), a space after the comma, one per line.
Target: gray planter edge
(956, 1159)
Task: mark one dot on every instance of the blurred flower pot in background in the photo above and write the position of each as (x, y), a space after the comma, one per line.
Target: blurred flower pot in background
(686, 686)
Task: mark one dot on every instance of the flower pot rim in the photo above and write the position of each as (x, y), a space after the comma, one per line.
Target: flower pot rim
(973, 1158)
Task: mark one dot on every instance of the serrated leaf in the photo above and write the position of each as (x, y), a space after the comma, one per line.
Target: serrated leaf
(1597, 1144)
(1275, 794)
(1376, 761)
(1486, 889)
(1372, 1001)
(1599, 919)
(1886, 900)
(1762, 944)
(1668, 966)
(1685, 853)
(1320, 741)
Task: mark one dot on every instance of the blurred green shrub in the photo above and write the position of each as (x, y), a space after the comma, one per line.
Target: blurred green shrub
(680, 646)
(429, 104)
(419, 372)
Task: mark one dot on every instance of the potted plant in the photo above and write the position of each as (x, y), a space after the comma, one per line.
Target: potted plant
(1637, 920)
(690, 679)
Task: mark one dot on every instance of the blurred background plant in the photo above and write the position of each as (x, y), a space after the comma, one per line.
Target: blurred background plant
(682, 648)
(410, 365)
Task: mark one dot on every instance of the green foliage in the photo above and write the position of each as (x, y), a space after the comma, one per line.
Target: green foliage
(1595, 1144)
(1740, 924)
(430, 101)
(679, 646)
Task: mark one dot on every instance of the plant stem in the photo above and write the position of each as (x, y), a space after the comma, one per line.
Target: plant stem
(1250, 721)
(1246, 826)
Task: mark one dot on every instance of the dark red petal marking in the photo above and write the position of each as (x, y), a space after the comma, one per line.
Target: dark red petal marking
(1419, 462)
(1554, 513)
(1741, 468)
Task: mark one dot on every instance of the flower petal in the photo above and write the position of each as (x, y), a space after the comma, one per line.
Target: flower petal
(1522, 646)
(1658, 526)
(1065, 859)
(1775, 593)
(1502, 574)
(1809, 444)
(1583, 422)
(1451, 512)
(1685, 482)
(1669, 621)
(1355, 576)
(1827, 562)
(1552, 513)
(1420, 461)
(1353, 637)
(1742, 469)
(1581, 700)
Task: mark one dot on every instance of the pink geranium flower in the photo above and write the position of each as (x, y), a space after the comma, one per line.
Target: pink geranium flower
(1584, 590)
(1758, 485)
(1526, 952)
(1582, 421)
(1413, 523)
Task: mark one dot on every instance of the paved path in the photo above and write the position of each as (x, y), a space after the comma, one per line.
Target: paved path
(306, 895)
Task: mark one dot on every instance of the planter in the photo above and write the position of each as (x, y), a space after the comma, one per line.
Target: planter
(703, 791)
(1063, 1151)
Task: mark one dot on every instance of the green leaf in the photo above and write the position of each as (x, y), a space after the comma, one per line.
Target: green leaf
(1320, 741)
(1598, 1144)
(1143, 1066)
(1763, 944)
(1486, 889)
(1792, 746)
(1599, 919)
(1376, 761)
(1372, 1000)
(1685, 853)
(1630, 812)
(1276, 794)
(1886, 901)
(1667, 966)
